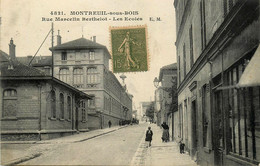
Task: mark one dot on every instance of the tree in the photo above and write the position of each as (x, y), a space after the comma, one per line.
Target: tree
(150, 111)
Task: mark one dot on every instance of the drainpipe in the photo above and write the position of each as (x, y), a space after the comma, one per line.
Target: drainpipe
(40, 109)
(211, 102)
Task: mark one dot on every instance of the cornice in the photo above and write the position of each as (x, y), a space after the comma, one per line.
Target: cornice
(221, 38)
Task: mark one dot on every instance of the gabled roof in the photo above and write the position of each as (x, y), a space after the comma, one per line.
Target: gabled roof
(21, 71)
(165, 68)
(37, 61)
(3, 57)
(81, 43)
(18, 69)
(171, 66)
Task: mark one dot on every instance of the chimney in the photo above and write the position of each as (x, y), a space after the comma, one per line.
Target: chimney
(12, 49)
(58, 38)
(94, 38)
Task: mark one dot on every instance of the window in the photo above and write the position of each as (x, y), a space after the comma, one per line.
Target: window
(184, 60)
(191, 47)
(205, 116)
(53, 104)
(69, 107)
(64, 56)
(61, 106)
(180, 121)
(179, 68)
(185, 114)
(92, 102)
(9, 103)
(78, 76)
(244, 116)
(91, 55)
(92, 75)
(203, 24)
(64, 75)
(83, 110)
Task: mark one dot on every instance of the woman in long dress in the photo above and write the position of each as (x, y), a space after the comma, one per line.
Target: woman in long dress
(165, 135)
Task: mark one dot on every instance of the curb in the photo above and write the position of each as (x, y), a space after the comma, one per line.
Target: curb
(99, 134)
(23, 159)
(18, 142)
(26, 158)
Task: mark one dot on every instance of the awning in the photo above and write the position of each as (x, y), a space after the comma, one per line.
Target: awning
(251, 75)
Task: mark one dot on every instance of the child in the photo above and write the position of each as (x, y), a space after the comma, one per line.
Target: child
(149, 136)
(182, 145)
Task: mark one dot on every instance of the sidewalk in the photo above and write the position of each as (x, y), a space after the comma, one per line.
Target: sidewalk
(165, 153)
(14, 152)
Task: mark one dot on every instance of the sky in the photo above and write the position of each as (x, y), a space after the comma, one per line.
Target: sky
(22, 21)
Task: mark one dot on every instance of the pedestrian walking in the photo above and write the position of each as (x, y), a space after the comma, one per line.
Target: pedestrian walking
(165, 135)
(109, 123)
(149, 136)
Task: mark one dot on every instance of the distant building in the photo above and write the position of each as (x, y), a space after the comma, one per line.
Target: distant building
(219, 124)
(35, 106)
(164, 96)
(143, 107)
(42, 63)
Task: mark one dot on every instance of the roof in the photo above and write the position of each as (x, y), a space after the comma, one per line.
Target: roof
(172, 66)
(18, 69)
(81, 43)
(21, 71)
(37, 61)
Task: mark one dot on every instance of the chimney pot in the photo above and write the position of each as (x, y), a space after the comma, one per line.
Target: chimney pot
(58, 38)
(94, 39)
(12, 49)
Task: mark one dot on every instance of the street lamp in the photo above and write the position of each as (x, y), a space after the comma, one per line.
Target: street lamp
(156, 82)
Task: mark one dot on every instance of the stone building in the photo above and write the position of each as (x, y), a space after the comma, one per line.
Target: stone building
(143, 107)
(219, 124)
(164, 96)
(35, 106)
(84, 64)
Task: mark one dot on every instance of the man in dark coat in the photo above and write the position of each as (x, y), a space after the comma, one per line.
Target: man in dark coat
(149, 136)
(109, 123)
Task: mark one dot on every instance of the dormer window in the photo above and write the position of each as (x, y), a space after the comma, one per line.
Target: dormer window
(91, 55)
(64, 56)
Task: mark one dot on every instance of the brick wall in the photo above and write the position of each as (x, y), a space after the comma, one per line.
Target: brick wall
(27, 106)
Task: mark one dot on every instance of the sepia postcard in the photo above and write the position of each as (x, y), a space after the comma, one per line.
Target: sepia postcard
(140, 82)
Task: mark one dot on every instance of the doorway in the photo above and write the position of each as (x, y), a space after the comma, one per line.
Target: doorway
(77, 119)
(218, 121)
(194, 127)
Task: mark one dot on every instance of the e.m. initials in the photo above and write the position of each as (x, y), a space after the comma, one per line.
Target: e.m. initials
(155, 19)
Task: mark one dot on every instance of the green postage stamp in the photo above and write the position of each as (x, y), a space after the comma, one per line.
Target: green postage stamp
(129, 49)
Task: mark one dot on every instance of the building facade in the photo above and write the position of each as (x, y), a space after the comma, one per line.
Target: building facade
(35, 106)
(164, 98)
(143, 107)
(215, 41)
(84, 64)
